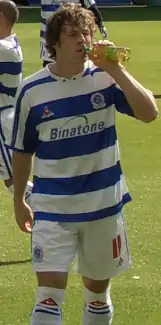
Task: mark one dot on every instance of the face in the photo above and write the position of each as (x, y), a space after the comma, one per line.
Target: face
(72, 43)
(1, 19)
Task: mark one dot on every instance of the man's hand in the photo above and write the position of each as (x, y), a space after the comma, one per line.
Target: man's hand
(103, 32)
(98, 56)
(24, 217)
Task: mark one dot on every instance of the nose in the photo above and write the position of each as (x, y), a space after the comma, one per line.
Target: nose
(81, 37)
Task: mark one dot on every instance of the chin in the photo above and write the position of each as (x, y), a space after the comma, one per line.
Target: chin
(86, 58)
(80, 60)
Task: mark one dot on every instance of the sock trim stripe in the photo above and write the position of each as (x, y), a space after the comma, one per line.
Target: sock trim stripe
(108, 309)
(54, 308)
(99, 312)
(98, 308)
(53, 312)
(43, 306)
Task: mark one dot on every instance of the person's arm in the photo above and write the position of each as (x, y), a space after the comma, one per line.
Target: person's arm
(23, 144)
(91, 5)
(140, 99)
(21, 165)
(129, 96)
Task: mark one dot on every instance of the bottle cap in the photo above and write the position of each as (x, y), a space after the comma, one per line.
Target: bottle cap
(87, 49)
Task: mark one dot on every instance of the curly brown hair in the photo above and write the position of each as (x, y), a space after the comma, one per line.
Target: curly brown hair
(68, 14)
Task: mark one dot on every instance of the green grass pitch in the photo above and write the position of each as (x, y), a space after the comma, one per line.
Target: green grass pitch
(136, 294)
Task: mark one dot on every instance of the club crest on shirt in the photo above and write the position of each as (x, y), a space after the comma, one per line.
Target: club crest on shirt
(98, 100)
(47, 113)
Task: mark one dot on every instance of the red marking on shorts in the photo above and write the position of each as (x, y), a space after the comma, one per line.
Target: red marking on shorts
(116, 243)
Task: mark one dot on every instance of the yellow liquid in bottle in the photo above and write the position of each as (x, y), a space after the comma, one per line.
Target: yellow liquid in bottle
(114, 53)
(121, 54)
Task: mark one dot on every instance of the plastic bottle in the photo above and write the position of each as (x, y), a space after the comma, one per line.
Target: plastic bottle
(114, 53)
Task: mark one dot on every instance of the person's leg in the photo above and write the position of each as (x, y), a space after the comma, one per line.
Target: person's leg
(53, 249)
(98, 308)
(103, 254)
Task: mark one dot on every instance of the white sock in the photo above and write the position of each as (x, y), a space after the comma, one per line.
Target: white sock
(47, 310)
(98, 309)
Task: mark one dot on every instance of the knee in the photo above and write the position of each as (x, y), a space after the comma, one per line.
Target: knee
(56, 280)
(96, 286)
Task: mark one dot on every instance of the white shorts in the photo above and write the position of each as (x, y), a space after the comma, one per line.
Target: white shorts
(100, 246)
(6, 123)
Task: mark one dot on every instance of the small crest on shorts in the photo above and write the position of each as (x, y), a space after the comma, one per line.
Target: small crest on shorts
(98, 101)
(37, 254)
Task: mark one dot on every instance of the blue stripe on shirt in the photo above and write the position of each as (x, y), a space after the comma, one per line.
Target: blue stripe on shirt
(121, 103)
(3, 108)
(49, 8)
(12, 68)
(75, 107)
(77, 146)
(83, 217)
(9, 91)
(79, 184)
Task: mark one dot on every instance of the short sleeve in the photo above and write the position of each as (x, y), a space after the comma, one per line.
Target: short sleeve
(10, 60)
(24, 133)
(120, 101)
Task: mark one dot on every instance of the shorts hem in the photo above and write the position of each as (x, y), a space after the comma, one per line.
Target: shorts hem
(108, 276)
(49, 269)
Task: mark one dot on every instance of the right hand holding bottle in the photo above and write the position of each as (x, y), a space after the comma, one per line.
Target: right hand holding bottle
(98, 55)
